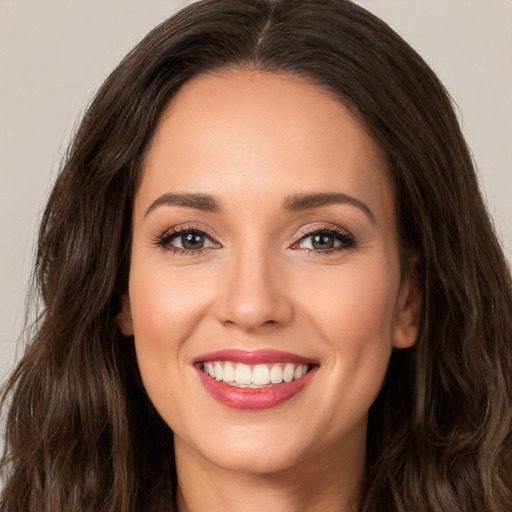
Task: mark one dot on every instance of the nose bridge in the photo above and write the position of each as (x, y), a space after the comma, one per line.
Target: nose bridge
(253, 293)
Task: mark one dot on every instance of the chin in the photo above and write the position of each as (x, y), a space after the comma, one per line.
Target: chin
(258, 460)
(256, 449)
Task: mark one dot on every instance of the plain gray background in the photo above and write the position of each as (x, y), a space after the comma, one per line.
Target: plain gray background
(55, 54)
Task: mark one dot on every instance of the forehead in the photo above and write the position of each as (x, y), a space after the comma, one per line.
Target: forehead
(254, 134)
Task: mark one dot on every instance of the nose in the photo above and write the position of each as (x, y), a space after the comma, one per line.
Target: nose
(254, 294)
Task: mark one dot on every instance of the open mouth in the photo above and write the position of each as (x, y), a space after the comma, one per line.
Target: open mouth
(254, 376)
(254, 380)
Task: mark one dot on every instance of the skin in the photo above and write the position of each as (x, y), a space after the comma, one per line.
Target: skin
(250, 140)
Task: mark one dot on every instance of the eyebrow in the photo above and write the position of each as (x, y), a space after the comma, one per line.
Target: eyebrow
(203, 202)
(293, 203)
(300, 202)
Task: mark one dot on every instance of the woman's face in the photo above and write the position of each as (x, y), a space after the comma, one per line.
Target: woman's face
(264, 246)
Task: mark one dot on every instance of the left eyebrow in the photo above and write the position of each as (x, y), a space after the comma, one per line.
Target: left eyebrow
(299, 202)
(203, 202)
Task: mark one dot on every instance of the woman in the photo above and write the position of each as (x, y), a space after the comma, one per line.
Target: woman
(268, 279)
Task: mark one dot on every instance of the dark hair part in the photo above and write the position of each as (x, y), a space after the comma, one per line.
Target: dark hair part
(81, 433)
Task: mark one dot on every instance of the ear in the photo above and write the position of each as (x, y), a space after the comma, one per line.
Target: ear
(124, 317)
(408, 309)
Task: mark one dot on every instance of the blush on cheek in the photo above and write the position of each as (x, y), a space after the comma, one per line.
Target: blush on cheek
(354, 305)
(160, 306)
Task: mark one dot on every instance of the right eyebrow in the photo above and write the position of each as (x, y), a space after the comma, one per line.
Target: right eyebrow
(203, 202)
(299, 202)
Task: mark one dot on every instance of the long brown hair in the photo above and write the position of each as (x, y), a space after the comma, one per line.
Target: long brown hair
(81, 433)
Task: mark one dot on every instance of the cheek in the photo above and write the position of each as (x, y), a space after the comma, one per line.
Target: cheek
(354, 304)
(353, 311)
(166, 306)
(166, 310)
(165, 302)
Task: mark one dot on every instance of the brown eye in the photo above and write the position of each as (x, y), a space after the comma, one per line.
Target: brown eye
(186, 241)
(326, 240)
(192, 241)
(323, 241)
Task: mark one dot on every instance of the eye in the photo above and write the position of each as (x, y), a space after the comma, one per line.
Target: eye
(328, 239)
(189, 241)
(186, 241)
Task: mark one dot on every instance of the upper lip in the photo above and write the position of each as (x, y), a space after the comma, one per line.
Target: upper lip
(238, 355)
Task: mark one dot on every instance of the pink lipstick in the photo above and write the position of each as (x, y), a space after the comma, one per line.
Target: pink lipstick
(254, 380)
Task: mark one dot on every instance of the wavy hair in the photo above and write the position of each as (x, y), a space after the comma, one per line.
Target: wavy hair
(80, 431)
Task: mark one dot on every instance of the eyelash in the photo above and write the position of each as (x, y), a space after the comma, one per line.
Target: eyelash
(347, 240)
(164, 241)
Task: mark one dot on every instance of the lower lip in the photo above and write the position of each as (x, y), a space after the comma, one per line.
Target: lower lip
(253, 399)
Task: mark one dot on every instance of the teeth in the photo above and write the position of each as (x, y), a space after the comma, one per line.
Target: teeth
(260, 375)
(243, 375)
(218, 371)
(276, 374)
(229, 373)
(288, 372)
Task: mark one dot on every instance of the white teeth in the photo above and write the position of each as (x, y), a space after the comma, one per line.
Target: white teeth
(276, 374)
(218, 371)
(288, 372)
(243, 375)
(229, 373)
(260, 375)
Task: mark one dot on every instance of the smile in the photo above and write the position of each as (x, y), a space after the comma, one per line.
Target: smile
(253, 376)
(253, 380)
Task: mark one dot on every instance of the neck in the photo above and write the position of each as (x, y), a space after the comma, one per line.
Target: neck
(329, 481)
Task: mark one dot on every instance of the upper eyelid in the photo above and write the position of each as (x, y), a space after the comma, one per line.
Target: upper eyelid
(316, 229)
(178, 230)
(322, 228)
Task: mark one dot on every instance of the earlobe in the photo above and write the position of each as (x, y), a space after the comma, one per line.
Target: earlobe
(408, 312)
(124, 317)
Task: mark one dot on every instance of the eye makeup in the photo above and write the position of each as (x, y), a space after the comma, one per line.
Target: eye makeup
(190, 240)
(324, 240)
(186, 240)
